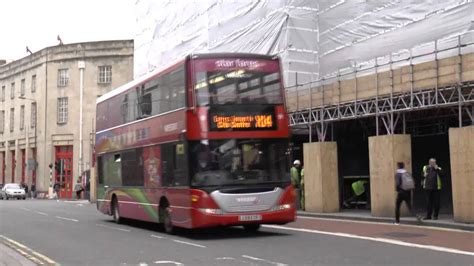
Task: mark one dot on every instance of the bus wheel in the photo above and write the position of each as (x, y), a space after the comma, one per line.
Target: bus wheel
(167, 224)
(116, 211)
(251, 228)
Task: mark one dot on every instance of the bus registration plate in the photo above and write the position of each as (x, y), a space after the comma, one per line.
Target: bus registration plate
(245, 218)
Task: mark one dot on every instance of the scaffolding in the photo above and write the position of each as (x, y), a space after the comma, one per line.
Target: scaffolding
(389, 109)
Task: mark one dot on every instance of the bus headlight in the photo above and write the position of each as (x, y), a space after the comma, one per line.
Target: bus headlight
(211, 211)
(281, 207)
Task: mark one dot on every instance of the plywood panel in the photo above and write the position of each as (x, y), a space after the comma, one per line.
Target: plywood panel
(447, 70)
(468, 75)
(321, 177)
(424, 74)
(424, 66)
(366, 83)
(384, 153)
(448, 80)
(461, 150)
(424, 77)
(448, 61)
(384, 79)
(423, 84)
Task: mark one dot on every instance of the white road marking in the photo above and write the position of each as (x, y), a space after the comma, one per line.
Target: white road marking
(41, 213)
(76, 201)
(234, 259)
(67, 219)
(226, 258)
(168, 262)
(189, 243)
(159, 237)
(264, 260)
(386, 223)
(376, 239)
(113, 227)
(25, 209)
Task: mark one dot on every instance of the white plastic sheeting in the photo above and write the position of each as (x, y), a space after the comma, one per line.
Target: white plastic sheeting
(314, 38)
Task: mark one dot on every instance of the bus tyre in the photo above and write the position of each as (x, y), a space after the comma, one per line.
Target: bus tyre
(116, 211)
(167, 223)
(251, 228)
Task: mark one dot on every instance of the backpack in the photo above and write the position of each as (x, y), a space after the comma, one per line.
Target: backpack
(407, 181)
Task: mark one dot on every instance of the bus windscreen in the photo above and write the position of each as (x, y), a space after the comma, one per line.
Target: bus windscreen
(234, 162)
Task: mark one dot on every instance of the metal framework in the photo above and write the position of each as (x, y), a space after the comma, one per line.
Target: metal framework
(389, 108)
(443, 97)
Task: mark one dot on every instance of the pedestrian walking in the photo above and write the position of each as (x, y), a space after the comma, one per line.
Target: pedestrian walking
(56, 189)
(302, 189)
(33, 190)
(432, 184)
(295, 174)
(25, 187)
(404, 184)
(78, 188)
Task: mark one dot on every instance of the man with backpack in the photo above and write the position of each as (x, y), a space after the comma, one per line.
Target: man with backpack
(404, 184)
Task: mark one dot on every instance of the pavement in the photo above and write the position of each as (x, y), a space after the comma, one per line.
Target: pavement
(75, 233)
(444, 221)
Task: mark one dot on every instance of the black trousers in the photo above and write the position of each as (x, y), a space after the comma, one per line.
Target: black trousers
(403, 196)
(433, 198)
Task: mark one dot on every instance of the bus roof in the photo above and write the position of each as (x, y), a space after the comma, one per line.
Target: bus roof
(147, 76)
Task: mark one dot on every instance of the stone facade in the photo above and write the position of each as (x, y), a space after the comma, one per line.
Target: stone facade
(57, 73)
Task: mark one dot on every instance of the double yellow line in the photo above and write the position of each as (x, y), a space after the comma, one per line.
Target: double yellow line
(27, 252)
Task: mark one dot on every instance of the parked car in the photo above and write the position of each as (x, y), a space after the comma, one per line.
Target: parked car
(12, 190)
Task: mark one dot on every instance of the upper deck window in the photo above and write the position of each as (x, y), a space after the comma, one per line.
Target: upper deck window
(237, 81)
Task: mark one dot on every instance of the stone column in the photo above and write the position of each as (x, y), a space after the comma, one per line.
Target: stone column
(384, 153)
(461, 151)
(321, 177)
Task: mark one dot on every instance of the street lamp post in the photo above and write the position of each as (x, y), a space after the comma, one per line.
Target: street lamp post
(36, 126)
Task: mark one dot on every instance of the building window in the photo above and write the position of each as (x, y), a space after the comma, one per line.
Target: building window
(12, 91)
(63, 77)
(105, 74)
(33, 83)
(22, 117)
(3, 94)
(33, 115)
(2, 122)
(12, 119)
(62, 110)
(22, 87)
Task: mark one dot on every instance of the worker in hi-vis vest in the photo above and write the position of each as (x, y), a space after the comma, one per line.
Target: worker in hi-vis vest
(302, 189)
(432, 185)
(295, 174)
(358, 189)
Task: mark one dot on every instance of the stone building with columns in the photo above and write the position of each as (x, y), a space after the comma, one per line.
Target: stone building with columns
(46, 134)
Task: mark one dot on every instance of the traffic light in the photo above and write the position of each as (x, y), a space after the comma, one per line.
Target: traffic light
(57, 166)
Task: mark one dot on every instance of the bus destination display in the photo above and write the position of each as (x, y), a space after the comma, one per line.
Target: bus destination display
(252, 118)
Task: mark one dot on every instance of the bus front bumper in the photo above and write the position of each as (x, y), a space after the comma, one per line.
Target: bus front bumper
(203, 218)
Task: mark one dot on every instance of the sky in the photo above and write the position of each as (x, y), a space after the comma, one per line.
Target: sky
(37, 23)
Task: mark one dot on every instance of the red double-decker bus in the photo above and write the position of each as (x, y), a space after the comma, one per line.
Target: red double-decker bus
(202, 143)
